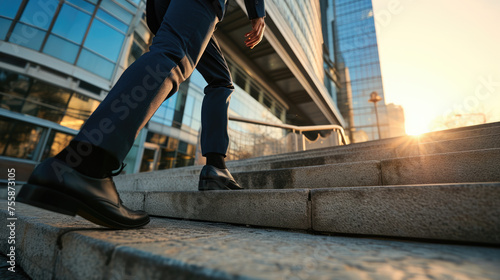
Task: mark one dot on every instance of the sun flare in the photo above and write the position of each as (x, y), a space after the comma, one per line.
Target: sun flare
(416, 127)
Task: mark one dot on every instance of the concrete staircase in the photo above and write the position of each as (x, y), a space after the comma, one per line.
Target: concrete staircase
(361, 211)
(442, 186)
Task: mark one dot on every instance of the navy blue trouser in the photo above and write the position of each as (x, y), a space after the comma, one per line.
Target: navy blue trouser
(184, 41)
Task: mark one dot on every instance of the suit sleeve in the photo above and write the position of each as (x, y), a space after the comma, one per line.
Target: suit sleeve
(255, 8)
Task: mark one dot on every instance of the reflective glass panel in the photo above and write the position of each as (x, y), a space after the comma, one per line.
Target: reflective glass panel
(13, 83)
(13, 89)
(40, 13)
(5, 127)
(42, 111)
(80, 107)
(46, 101)
(126, 4)
(71, 24)
(135, 53)
(185, 154)
(96, 64)
(166, 159)
(56, 142)
(148, 160)
(104, 40)
(61, 49)
(117, 11)
(4, 27)
(48, 94)
(27, 36)
(19, 139)
(83, 4)
(9, 8)
(112, 20)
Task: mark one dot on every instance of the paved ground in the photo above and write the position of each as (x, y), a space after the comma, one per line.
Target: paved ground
(167, 247)
(274, 254)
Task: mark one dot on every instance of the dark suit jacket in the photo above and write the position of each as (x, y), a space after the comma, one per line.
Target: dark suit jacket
(255, 9)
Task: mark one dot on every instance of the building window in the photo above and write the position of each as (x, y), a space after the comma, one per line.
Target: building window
(27, 36)
(19, 139)
(56, 142)
(39, 13)
(104, 40)
(19, 93)
(82, 4)
(137, 49)
(71, 24)
(62, 49)
(13, 90)
(185, 154)
(46, 101)
(118, 11)
(9, 8)
(96, 64)
(4, 27)
(79, 109)
(101, 14)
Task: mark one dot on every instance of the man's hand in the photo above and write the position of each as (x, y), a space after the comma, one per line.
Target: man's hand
(255, 36)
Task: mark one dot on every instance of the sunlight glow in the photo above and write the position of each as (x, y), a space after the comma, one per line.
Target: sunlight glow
(416, 128)
(437, 65)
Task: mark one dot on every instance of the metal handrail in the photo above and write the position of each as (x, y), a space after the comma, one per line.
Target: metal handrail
(294, 128)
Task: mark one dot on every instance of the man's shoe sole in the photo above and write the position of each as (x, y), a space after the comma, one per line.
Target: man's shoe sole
(55, 201)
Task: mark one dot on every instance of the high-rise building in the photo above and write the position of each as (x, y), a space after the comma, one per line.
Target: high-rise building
(357, 57)
(396, 120)
(59, 58)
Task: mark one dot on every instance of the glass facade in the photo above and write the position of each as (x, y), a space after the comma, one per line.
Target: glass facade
(356, 52)
(26, 95)
(71, 53)
(44, 101)
(79, 32)
(304, 20)
(332, 80)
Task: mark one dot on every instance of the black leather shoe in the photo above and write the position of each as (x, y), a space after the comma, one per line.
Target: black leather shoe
(55, 186)
(212, 178)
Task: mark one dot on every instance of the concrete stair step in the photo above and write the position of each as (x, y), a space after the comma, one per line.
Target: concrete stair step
(456, 167)
(387, 148)
(459, 212)
(476, 132)
(54, 246)
(332, 156)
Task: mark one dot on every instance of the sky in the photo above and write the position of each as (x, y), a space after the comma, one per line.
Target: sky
(440, 60)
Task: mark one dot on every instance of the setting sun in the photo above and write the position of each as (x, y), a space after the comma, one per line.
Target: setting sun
(437, 65)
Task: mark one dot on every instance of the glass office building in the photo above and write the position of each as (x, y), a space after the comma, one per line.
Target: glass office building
(59, 59)
(356, 55)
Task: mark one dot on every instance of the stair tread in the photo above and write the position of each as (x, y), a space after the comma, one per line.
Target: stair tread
(462, 212)
(174, 249)
(451, 167)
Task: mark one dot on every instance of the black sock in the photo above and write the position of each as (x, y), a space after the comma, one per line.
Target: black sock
(88, 159)
(216, 160)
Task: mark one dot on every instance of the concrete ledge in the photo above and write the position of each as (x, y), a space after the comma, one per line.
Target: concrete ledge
(365, 173)
(133, 200)
(459, 167)
(272, 208)
(447, 212)
(62, 247)
(186, 179)
(37, 233)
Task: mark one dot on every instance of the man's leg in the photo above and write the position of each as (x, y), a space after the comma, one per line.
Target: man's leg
(214, 119)
(57, 186)
(177, 47)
